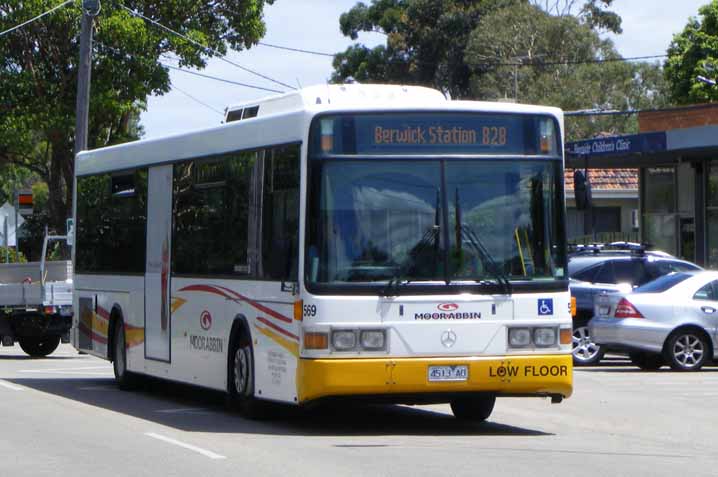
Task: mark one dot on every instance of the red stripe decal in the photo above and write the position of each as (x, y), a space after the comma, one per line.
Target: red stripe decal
(206, 288)
(259, 306)
(102, 313)
(279, 329)
(231, 294)
(95, 337)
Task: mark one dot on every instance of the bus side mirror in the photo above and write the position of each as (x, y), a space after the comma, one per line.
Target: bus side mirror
(581, 189)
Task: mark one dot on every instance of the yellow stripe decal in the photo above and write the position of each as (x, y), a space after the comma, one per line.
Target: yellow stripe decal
(281, 341)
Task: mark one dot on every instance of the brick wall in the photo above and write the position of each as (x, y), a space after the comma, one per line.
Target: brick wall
(678, 118)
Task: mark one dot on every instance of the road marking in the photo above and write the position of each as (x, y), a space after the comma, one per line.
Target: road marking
(199, 450)
(9, 386)
(188, 410)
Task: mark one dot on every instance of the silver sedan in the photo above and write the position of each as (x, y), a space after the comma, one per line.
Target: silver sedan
(672, 320)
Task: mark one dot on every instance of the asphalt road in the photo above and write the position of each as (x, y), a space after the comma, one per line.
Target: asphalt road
(63, 416)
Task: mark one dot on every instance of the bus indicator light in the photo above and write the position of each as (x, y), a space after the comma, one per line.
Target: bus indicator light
(298, 310)
(313, 340)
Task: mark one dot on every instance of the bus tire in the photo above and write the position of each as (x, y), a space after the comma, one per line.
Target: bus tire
(39, 347)
(476, 408)
(241, 379)
(125, 379)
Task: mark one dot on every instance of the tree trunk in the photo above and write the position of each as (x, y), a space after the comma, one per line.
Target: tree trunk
(60, 185)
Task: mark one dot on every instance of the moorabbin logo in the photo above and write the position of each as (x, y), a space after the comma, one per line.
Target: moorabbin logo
(448, 311)
(205, 320)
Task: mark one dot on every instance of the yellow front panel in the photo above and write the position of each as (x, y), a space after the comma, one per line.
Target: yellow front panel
(540, 375)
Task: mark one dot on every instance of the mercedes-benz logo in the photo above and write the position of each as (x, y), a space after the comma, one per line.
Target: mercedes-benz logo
(448, 338)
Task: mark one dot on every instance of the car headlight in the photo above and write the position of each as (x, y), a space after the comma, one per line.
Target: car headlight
(519, 337)
(344, 340)
(372, 340)
(545, 337)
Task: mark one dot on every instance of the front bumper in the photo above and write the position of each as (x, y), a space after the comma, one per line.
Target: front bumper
(543, 375)
(637, 334)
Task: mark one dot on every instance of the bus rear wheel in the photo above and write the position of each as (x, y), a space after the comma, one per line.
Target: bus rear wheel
(241, 380)
(125, 379)
(475, 408)
(39, 347)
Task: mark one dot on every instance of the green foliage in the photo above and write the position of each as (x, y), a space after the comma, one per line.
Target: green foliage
(427, 39)
(38, 75)
(10, 255)
(526, 54)
(694, 52)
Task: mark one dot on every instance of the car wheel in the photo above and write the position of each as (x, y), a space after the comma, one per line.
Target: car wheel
(687, 350)
(476, 408)
(39, 347)
(241, 383)
(585, 351)
(125, 379)
(647, 361)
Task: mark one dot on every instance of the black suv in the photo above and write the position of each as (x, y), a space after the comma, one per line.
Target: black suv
(619, 266)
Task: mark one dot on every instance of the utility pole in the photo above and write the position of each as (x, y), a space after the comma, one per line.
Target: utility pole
(90, 9)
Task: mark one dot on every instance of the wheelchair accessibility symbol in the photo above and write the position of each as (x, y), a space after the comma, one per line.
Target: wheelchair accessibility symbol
(545, 306)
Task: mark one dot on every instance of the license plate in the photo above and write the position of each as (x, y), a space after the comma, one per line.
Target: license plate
(449, 373)
(603, 310)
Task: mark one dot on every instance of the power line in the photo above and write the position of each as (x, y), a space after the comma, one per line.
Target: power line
(190, 72)
(298, 50)
(569, 62)
(36, 18)
(205, 47)
(197, 100)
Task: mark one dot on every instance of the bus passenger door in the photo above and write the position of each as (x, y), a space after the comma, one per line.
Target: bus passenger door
(158, 324)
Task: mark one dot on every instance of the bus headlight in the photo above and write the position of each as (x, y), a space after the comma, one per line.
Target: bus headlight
(372, 340)
(519, 337)
(344, 340)
(545, 337)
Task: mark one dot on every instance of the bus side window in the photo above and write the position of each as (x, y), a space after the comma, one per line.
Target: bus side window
(280, 214)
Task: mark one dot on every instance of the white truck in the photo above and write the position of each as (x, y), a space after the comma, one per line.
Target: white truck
(36, 303)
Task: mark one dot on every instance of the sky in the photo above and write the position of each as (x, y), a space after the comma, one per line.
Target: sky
(648, 27)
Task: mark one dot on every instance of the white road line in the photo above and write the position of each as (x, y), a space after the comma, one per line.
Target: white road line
(54, 370)
(9, 386)
(199, 450)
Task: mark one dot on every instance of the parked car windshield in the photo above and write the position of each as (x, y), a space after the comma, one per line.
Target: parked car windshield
(663, 283)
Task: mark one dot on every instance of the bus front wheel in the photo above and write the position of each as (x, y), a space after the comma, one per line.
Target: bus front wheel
(474, 408)
(241, 382)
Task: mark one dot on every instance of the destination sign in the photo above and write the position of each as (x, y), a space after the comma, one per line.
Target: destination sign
(429, 134)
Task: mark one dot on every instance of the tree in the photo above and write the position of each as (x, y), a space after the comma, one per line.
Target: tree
(531, 56)
(38, 74)
(693, 53)
(427, 39)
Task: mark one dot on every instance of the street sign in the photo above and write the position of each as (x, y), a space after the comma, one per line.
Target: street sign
(24, 202)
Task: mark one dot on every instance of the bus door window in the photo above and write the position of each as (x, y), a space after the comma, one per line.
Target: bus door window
(280, 215)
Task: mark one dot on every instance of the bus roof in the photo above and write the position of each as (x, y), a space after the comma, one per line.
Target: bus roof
(245, 123)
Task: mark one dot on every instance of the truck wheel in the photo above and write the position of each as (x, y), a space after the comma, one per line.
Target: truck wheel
(125, 379)
(39, 347)
(473, 408)
(241, 380)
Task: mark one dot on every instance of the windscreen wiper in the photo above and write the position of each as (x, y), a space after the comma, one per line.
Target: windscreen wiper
(430, 238)
(484, 254)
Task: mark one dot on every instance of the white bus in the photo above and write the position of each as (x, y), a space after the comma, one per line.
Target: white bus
(379, 242)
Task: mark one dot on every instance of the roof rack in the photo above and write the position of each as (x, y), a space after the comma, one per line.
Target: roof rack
(586, 249)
